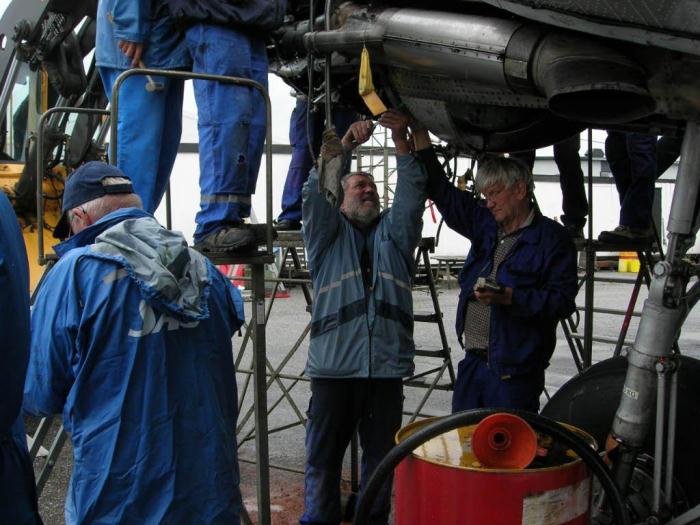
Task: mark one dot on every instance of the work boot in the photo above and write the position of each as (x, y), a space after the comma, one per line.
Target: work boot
(626, 235)
(238, 238)
(575, 232)
(287, 225)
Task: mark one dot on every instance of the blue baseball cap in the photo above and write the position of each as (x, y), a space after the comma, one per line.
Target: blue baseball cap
(86, 184)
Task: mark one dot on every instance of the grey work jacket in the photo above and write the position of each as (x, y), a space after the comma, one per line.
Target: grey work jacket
(353, 335)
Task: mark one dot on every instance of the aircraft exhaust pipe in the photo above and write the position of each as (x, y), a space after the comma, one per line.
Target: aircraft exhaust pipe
(587, 80)
(580, 78)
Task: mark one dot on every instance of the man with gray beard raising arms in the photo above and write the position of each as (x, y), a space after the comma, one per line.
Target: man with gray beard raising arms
(361, 263)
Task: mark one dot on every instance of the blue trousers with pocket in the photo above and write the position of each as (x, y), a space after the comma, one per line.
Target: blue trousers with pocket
(337, 409)
(231, 122)
(477, 386)
(301, 162)
(149, 125)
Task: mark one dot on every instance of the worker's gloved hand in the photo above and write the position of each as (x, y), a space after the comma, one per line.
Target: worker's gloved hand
(331, 167)
(331, 146)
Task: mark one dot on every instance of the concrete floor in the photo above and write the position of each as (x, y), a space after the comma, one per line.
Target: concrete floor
(287, 322)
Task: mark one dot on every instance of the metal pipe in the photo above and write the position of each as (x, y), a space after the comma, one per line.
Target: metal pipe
(587, 356)
(8, 85)
(671, 437)
(327, 69)
(343, 41)
(630, 309)
(659, 435)
(260, 395)
(685, 194)
(168, 208)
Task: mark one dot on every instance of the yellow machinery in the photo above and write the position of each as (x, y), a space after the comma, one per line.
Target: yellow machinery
(27, 100)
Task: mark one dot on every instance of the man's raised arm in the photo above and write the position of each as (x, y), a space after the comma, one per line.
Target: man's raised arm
(322, 193)
(406, 213)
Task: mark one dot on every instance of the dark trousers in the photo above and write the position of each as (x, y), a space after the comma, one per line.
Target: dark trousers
(337, 409)
(632, 159)
(301, 162)
(18, 501)
(573, 194)
(477, 386)
(667, 151)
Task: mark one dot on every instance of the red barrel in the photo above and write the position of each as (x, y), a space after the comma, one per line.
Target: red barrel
(442, 483)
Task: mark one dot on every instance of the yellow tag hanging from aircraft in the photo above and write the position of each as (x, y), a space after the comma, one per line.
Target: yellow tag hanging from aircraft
(366, 86)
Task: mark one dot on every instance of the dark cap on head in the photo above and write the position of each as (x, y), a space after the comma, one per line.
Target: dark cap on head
(86, 184)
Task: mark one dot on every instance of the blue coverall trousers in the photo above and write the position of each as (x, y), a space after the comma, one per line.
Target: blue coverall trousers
(337, 409)
(149, 125)
(231, 122)
(301, 162)
(477, 386)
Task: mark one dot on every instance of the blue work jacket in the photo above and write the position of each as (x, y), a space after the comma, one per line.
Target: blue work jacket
(132, 343)
(143, 21)
(353, 334)
(17, 494)
(540, 268)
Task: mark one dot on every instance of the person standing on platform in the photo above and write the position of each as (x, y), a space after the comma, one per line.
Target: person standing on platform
(632, 160)
(141, 33)
(228, 38)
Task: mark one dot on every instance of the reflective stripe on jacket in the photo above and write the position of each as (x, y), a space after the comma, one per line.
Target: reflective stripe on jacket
(354, 336)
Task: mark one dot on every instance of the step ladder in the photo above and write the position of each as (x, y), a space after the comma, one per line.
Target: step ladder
(580, 335)
(442, 375)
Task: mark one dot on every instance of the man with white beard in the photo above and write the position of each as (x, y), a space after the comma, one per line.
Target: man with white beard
(362, 263)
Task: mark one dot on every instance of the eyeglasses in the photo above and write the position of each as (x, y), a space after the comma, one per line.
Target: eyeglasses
(491, 196)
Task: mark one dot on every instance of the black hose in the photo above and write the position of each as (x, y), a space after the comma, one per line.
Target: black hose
(470, 417)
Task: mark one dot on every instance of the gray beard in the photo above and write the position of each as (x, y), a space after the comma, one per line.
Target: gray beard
(362, 218)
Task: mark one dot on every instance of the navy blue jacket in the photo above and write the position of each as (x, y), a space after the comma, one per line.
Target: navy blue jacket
(541, 269)
(258, 14)
(17, 494)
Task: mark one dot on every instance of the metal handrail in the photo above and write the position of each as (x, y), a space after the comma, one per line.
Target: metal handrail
(187, 75)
